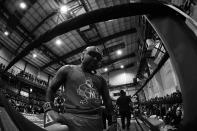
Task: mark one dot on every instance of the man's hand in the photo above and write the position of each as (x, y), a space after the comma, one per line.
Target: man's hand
(51, 117)
(54, 122)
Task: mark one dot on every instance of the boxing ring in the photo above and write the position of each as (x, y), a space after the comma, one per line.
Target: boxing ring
(169, 23)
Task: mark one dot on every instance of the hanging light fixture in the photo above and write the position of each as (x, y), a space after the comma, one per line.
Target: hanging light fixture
(64, 9)
(119, 52)
(23, 5)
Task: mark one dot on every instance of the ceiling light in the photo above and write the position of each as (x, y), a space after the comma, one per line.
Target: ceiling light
(110, 20)
(31, 90)
(105, 69)
(63, 9)
(58, 42)
(34, 55)
(6, 33)
(22, 5)
(132, 1)
(121, 66)
(119, 52)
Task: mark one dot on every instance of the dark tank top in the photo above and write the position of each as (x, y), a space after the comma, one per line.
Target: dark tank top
(82, 92)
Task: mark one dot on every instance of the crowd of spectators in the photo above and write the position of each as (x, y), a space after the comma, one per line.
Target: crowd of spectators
(174, 98)
(32, 78)
(21, 103)
(27, 76)
(168, 108)
(31, 104)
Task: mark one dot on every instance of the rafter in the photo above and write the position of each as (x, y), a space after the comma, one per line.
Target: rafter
(95, 27)
(95, 43)
(125, 67)
(36, 27)
(107, 63)
(12, 21)
(130, 9)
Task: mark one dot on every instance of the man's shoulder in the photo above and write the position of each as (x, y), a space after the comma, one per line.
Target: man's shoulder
(129, 98)
(118, 101)
(67, 67)
(119, 98)
(64, 70)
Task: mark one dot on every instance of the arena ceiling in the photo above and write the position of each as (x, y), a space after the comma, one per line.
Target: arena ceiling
(24, 21)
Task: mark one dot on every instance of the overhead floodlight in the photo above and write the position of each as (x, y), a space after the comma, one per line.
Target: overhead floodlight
(105, 69)
(119, 52)
(132, 1)
(63, 9)
(58, 42)
(6, 33)
(34, 55)
(110, 20)
(23, 5)
(121, 66)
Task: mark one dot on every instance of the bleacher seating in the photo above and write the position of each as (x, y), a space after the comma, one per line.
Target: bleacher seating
(168, 108)
(21, 103)
(27, 76)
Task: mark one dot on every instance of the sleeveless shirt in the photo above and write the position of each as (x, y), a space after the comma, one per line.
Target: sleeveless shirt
(82, 91)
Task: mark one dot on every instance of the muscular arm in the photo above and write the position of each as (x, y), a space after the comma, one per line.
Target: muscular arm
(118, 102)
(56, 82)
(106, 98)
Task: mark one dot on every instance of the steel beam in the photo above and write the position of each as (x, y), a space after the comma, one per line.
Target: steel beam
(95, 43)
(13, 22)
(99, 15)
(107, 63)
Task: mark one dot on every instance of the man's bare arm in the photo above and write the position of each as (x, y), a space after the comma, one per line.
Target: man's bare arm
(56, 82)
(106, 97)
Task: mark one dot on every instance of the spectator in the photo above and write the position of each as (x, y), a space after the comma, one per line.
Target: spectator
(123, 102)
(58, 103)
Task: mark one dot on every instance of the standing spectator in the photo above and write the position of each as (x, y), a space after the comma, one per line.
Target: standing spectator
(123, 103)
(58, 103)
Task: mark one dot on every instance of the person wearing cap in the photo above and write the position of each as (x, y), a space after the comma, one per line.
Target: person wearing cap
(83, 92)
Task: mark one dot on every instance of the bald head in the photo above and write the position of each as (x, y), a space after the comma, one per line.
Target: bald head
(91, 58)
(93, 51)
